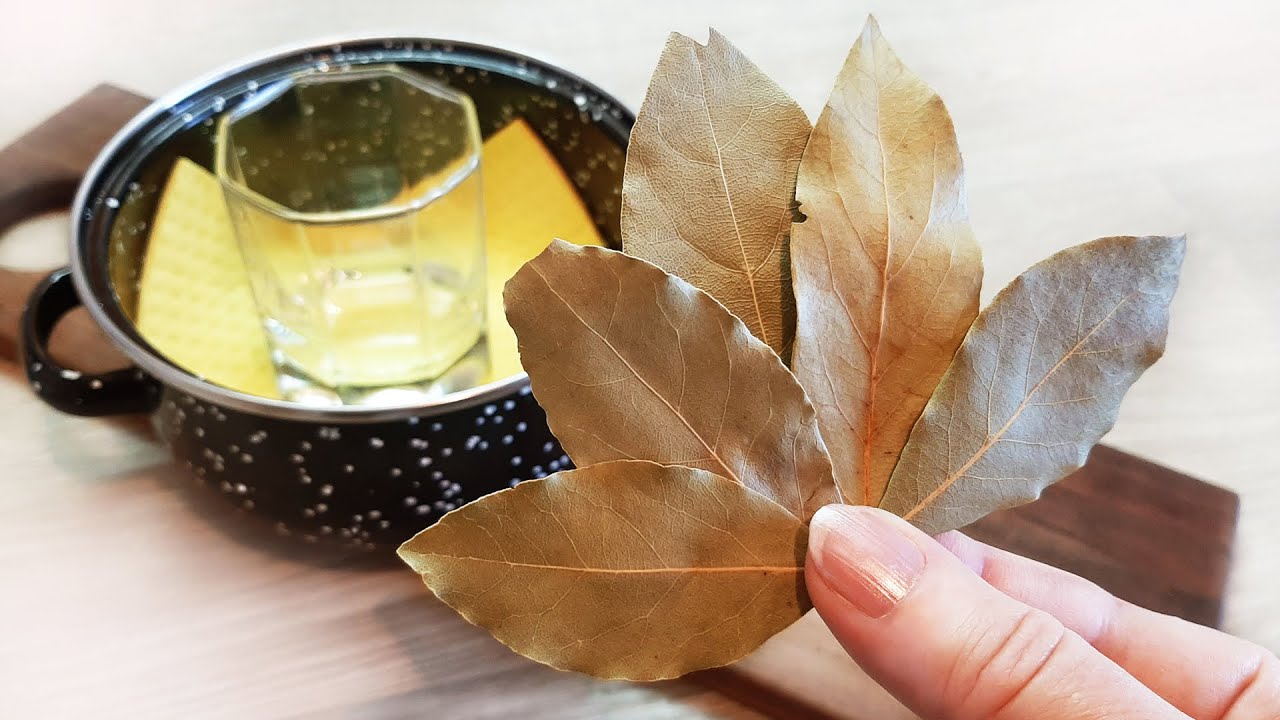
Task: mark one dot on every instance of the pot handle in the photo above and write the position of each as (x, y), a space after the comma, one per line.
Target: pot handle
(119, 392)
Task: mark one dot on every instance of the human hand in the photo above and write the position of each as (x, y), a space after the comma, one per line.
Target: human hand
(956, 629)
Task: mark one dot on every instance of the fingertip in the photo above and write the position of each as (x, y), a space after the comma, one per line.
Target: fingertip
(863, 556)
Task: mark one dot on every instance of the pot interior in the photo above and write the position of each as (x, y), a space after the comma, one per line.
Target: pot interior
(583, 128)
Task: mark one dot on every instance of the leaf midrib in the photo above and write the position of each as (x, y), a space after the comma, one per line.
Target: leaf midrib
(1013, 418)
(774, 569)
(747, 269)
(873, 380)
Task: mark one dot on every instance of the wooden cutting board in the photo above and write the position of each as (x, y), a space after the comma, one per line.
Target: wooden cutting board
(1155, 537)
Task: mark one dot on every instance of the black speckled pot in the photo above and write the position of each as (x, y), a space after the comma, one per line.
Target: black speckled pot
(363, 477)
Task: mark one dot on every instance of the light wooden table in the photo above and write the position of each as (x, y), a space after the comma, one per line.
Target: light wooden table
(121, 598)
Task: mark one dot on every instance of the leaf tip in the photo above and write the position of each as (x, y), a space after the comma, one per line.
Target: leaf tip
(409, 555)
(872, 42)
(676, 42)
(560, 245)
(403, 551)
(871, 28)
(1165, 252)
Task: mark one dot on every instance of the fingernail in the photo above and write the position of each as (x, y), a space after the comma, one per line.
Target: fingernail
(864, 557)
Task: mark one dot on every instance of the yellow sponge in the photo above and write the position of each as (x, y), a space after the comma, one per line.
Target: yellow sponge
(196, 307)
(528, 202)
(194, 303)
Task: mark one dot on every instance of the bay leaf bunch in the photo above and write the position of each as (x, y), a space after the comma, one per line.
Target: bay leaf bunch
(733, 369)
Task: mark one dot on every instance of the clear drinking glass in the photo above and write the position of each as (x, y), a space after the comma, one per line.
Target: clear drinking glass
(356, 201)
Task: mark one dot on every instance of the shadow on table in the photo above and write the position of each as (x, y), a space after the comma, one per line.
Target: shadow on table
(124, 447)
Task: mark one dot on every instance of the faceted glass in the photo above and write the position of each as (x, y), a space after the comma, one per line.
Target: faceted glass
(356, 200)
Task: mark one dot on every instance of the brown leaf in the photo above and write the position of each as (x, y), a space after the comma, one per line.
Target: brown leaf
(887, 270)
(709, 181)
(621, 570)
(633, 363)
(1037, 381)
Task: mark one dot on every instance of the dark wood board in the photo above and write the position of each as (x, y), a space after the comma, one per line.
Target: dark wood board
(39, 173)
(40, 170)
(1155, 537)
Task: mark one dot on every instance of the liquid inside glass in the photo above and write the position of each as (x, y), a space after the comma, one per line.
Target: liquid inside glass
(360, 218)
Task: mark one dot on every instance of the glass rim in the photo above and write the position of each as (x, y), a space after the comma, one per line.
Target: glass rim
(339, 217)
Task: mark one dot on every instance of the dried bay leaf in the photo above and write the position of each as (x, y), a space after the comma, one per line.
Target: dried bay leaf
(679, 543)
(1037, 381)
(709, 181)
(624, 569)
(631, 362)
(886, 267)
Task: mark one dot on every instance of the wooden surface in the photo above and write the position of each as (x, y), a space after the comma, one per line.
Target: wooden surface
(1077, 120)
(1152, 536)
(39, 173)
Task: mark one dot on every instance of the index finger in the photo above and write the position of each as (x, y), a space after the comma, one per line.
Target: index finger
(1204, 673)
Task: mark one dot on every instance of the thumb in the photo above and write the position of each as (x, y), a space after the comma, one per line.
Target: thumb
(943, 641)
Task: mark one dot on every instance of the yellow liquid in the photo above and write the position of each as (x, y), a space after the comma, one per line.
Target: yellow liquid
(389, 301)
(385, 328)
